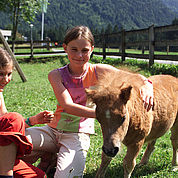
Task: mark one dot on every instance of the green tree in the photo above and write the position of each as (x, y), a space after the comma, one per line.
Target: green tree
(20, 10)
(115, 29)
(108, 29)
(175, 21)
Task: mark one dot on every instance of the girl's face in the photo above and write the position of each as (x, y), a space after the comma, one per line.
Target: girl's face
(5, 76)
(78, 51)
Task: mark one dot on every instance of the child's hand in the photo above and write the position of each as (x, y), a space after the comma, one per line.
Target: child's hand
(44, 117)
(146, 93)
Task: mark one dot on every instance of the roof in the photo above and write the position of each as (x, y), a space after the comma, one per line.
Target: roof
(6, 32)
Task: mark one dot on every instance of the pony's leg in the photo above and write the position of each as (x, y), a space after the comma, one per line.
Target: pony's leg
(174, 140)
(149, 150)
(104, 164)
(130, 158)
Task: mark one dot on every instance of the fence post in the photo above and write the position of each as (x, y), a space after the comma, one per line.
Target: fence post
(31, 41)
(123, 44)
(104, 46)
(143, 49)
(48, 45)
(151, 45)
(31, 47)
(167, 49)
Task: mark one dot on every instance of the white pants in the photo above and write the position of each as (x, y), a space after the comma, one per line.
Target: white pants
(71, 147)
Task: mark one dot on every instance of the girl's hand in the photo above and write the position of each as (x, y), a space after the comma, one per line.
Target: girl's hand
(42, 118)
(146, 93)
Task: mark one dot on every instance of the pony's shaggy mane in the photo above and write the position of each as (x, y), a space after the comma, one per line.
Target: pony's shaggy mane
(111, 83)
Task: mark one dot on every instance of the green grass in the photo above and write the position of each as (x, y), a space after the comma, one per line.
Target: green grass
(158, 166)
(140, 66)
(34, 50)
(36, 95)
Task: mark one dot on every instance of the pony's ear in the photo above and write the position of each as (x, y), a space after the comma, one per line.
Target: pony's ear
(125, 94)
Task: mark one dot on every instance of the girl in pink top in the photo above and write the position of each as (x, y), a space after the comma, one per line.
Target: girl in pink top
(76, 87)
(69, 131)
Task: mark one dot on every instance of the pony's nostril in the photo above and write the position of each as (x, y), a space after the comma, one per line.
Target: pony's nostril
(116, 149)
(110, 152)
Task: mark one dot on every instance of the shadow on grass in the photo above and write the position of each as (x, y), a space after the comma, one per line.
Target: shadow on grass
(118, 172)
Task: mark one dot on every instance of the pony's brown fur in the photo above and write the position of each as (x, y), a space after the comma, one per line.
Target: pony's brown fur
(123, 118)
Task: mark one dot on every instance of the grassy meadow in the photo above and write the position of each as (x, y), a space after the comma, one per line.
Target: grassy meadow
(36, 95)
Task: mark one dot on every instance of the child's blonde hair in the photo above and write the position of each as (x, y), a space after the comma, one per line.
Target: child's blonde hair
(5, 59)
(77, 32)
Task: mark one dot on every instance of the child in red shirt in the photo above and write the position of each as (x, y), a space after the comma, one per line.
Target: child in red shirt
(13, 142)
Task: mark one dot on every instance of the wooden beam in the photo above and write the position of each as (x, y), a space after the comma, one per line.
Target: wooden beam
(6, 46)
(151, 45)
(123, 45)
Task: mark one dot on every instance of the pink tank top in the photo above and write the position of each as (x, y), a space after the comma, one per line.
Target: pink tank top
(76, 87)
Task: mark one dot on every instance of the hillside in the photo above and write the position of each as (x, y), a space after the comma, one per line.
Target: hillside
(172, 4)
(97, 14)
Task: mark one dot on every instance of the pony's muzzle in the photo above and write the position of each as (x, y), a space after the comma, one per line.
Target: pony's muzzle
(110, 152)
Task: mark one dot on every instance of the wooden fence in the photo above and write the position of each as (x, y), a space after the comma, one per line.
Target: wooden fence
(148, 40)
(36, 44)
(143, 39)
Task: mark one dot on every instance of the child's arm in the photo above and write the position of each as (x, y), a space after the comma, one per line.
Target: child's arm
(65, 100)
(3, 109)
(40, 118)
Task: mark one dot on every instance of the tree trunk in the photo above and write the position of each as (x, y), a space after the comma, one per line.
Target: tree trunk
(16, 11)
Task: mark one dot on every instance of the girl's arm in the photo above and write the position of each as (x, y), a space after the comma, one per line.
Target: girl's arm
(64, 98)
(3, 109)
